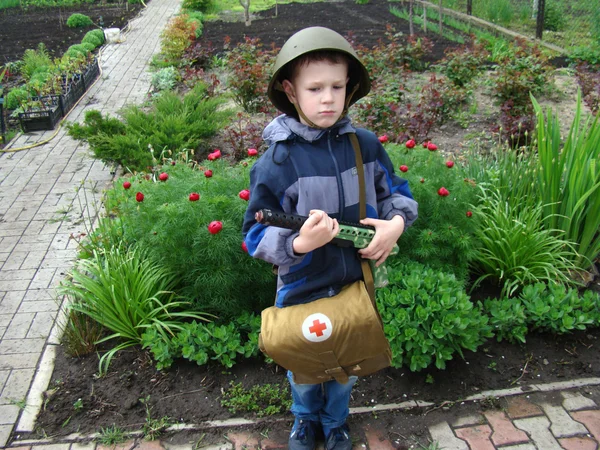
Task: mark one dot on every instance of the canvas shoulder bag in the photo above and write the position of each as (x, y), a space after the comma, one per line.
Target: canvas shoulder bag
(332, 337)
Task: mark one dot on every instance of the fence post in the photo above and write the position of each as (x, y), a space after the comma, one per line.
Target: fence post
(424, 19)
(469, 7)
(539, 30)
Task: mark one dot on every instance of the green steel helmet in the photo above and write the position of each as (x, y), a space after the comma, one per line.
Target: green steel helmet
(310, 40)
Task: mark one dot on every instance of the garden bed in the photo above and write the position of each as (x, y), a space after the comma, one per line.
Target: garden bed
(79, 401)
(21, 30)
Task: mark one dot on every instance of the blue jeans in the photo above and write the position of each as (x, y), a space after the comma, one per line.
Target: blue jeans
(326, 403)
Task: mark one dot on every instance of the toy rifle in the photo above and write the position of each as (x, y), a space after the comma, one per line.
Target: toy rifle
(350, 234)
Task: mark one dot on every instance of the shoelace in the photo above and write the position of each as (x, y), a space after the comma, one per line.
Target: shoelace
(339, 434)
(302, 430)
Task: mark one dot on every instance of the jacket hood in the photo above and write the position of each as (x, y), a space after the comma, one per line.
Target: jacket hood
(283, 127)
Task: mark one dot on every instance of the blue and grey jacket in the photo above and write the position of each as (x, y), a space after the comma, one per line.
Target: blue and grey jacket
(304, 169)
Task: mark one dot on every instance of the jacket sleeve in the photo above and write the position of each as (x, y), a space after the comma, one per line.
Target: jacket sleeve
(393, 193)
(269, 243)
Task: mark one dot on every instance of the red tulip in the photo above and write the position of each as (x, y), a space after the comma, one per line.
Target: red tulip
(244, 194)
(252, 152)
(443, 192)
(410, 143)
(449, 164)
(244, 163)
(383, 139)
(425, 144)
(208, 173)
(244, 247)
(469, 213)
(163, 176)
(404, 168)
(431, 146)
(215, 226)
(422, 180)
(126, 185)
(194, 197)
(139, 197)
(172, 163)
(217, 153)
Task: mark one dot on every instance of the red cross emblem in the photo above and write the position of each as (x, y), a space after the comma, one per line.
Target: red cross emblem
(317, 327)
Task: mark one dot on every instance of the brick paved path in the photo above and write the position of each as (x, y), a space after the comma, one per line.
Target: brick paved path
(40, 208)
(49, 193)
(552, 420)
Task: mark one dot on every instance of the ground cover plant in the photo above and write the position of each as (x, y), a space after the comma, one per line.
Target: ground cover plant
(184, 207)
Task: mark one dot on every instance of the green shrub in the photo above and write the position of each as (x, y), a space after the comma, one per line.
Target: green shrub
(92, 39)
(165, 79)
(197, 18)
(526, 71)
(250, 65)
(507, 318)
(88, 46)
(200, 343)
(79, 21)
(125, 291)
(15, 97)
(463, 65)
(172, 123)
(81, 49)
(554, 16)
(35, 61)
(442, 237)
(428, 317)
(514, 249)
(213, 270)
(198, 5)
(97, 33)
(177, 37)
(554, 308)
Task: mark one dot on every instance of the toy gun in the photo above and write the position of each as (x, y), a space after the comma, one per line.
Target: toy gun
(350, 234)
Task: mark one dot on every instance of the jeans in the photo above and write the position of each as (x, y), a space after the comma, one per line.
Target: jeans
(326, 403)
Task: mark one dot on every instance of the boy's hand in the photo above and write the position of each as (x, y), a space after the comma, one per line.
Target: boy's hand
(318, 230)
(387, 232)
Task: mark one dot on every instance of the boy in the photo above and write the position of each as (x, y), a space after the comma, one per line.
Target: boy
(310, 169)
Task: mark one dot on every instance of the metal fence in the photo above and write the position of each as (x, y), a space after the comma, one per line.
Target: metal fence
(565, 24)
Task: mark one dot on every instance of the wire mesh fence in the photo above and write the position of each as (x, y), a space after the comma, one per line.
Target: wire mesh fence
(566, 24)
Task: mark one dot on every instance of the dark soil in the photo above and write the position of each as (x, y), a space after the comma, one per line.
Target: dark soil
(188, 393)
(25, 29)
(365, 24)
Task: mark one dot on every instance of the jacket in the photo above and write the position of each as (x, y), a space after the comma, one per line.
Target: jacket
(304, 169)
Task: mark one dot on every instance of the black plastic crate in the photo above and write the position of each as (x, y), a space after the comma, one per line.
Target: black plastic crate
(73, 92)
(90, 75)
(44, 118)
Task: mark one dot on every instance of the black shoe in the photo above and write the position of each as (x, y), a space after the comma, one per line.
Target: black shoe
(303, 436)
(339, 439)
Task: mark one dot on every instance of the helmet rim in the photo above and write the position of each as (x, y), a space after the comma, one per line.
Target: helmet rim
(306, 41)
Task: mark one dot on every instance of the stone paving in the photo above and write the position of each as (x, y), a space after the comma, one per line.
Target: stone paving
(49, 196)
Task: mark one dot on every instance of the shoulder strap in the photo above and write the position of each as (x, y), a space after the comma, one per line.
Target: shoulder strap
(362, 205)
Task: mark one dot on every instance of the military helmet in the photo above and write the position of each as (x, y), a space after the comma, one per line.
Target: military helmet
(309, 40)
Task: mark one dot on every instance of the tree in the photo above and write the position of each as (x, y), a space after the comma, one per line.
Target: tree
(246, 5)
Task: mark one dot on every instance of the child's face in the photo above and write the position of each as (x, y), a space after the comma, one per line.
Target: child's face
(319, 89)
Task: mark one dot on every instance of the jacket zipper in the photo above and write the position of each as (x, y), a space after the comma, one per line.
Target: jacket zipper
(340, 196)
